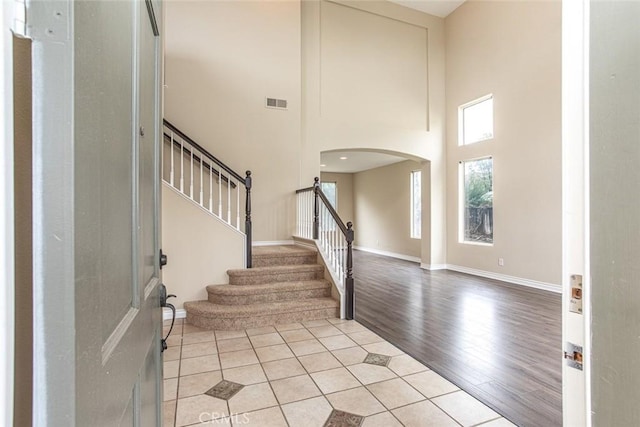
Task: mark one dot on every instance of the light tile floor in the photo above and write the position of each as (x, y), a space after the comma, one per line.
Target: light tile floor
(301, 374)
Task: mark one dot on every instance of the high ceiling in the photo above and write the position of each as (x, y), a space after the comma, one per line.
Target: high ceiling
(355, 161)
(440, 8)
(358, 161)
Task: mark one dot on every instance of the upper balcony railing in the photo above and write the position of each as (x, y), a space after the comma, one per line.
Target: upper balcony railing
(207, 181)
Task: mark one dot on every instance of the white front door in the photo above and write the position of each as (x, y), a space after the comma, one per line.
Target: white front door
(96, 219)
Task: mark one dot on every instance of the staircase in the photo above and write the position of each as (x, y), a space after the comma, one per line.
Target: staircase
(285, 285)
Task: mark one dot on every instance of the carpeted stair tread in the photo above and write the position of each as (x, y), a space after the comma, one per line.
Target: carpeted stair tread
(206, 309)
(267, 287)
(282, 273)
(268, 292)
(265, 256)
(259, 271)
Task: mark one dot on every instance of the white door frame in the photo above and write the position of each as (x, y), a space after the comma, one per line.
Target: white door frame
(576, 393)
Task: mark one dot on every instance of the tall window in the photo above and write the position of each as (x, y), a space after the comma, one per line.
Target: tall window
(475, 121)
(330, 189)
(416, 204)
(476, 216)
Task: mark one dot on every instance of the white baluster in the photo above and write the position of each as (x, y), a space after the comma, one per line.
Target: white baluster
(303, 217)
(181, 166)
(219, 192)
(229, 200)
(323, 225)
(310, 215)
(333, 243)
(336, 249)
(343, 256)
(327, 230)
(201, 186)
(191, 185)
(210, 188)
(237, 205)
(171, 171)
(305, 213)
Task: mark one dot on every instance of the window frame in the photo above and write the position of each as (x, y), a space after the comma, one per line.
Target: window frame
(335, 184)
(462, 206)
(461, 115)
(412, 231)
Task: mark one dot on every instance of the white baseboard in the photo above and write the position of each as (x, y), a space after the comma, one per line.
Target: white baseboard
(432, 267)
(389, 254)
(309, 243)
(180, 313)
(505, 278)
(272, 242)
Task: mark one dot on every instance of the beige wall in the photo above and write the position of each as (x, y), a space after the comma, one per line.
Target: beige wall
(512, 50)
(373, 77)
(200, 248)
(344, 184)
(382, 209)
(221, 60)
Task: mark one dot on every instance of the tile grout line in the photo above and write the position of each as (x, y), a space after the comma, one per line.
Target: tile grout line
(267, 377)
(175, 411)
(489, 421)
(215, 337)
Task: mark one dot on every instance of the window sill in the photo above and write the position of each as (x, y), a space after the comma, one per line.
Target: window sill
(464, 242)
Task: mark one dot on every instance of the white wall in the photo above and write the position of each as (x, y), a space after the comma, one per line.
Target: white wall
(221, 60)
(512, 50)
(373, 77)
(200, 248)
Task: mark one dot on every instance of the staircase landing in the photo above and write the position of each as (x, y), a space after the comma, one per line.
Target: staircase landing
(286, 285)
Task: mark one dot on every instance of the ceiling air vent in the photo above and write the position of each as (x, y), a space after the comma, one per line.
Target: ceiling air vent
(280, 104)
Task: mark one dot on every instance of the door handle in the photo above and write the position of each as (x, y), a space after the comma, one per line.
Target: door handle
(163, 259)
(163, 297)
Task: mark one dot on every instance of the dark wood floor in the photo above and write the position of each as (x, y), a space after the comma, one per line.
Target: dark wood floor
(499, 342)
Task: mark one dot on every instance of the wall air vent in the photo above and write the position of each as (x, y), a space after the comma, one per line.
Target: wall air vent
(280, 104)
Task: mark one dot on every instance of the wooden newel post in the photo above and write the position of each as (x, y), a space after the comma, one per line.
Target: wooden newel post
(349, 288)
(316, 208)
(247, 220)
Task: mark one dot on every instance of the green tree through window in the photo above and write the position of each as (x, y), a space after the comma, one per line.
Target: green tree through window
(478, 200)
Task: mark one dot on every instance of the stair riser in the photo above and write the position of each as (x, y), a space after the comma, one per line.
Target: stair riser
(275, 277)
(273, 260)
(268, 297)
(257, 321)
